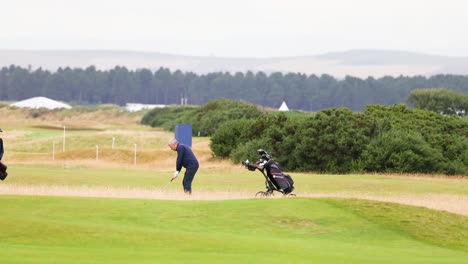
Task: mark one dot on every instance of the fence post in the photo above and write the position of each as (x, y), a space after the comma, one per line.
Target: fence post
(63, 147)
(135, 154)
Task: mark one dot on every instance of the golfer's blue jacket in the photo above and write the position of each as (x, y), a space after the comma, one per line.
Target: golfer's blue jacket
(185, 157)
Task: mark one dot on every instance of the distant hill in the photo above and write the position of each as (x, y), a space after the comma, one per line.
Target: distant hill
(358, 63)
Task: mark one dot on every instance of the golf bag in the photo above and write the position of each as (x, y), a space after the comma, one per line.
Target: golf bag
(275, 178)
(3, 171)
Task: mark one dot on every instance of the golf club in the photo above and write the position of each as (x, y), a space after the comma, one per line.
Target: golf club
(167, 184)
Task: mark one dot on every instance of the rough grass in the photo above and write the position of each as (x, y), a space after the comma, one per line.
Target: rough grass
(98, 116)
(114, 133)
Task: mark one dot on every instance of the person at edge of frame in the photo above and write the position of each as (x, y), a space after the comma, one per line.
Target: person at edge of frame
(3, 167)
(1, 146)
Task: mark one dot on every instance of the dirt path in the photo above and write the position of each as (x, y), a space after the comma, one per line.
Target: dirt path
(444, 202)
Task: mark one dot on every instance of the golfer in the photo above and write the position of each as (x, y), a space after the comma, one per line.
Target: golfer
(186, 159)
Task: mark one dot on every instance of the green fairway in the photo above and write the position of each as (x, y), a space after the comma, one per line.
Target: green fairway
(92, 230)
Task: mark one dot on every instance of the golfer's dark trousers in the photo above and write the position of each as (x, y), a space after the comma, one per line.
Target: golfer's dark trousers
(188, 178)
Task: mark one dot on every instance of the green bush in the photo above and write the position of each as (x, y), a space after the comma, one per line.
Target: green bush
(446, 134)
(248, 150)
(397, 151)
(228, 136)
(455, 149)
(210, 116)
(205, 119)
(330, 141)
(168, 117)
(272, 132)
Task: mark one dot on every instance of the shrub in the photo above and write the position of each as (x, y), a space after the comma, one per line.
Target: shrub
(330, 141)
(205, 119)
(228, 136)
(397, 151)
(210, 116)
(248, 150)
(168, 117)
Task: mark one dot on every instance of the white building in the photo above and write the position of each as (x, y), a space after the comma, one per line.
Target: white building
(41, 102)
(131, 107)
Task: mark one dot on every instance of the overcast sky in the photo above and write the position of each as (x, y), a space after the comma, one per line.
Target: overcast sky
(237, 28)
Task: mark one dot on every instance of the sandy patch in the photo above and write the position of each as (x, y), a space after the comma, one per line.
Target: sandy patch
(112, 192)
(443, 202)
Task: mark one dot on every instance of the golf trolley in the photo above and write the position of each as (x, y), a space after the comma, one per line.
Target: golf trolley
(275, 179)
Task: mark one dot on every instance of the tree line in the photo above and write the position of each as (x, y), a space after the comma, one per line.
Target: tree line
(163, 86)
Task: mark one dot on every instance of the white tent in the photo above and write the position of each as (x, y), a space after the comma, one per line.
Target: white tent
(283, 107)
(41, 102)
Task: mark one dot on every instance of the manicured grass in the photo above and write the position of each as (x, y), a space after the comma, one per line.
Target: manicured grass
(295, 230)
(435, 227)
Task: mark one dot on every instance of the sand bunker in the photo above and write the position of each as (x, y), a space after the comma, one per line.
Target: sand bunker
(444, 202)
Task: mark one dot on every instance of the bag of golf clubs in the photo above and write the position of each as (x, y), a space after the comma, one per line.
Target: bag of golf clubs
(275, 179)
